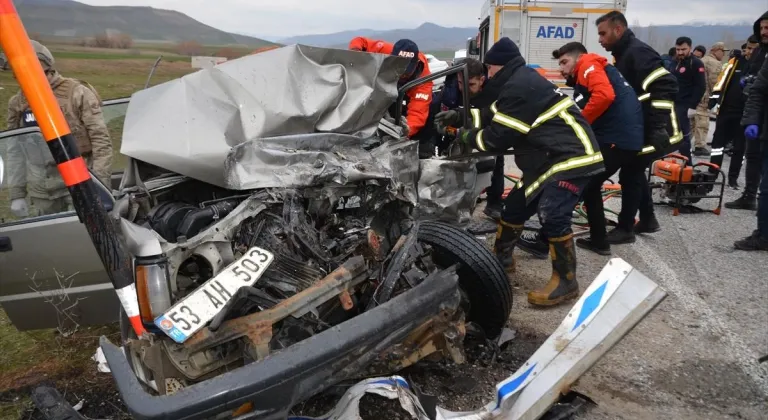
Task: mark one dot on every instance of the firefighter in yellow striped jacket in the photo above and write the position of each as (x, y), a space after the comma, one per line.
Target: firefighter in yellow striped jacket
(557, 153)
(728, 94)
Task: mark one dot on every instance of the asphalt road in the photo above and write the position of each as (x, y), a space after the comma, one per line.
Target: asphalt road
(695, 356)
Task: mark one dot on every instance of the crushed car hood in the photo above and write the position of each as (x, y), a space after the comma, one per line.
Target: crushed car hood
(239, 125)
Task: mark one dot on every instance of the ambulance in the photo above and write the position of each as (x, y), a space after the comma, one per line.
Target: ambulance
(539, 27)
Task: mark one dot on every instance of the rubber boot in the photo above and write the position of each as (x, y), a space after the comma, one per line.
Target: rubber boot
(562, 285)
(507, 236)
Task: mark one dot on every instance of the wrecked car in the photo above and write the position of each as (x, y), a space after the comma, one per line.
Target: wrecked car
(287, 237)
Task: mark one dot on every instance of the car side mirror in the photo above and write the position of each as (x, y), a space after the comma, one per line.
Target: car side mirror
(472, 48)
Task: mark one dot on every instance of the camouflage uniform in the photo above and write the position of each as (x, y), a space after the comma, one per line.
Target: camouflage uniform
(700, 122)
(32, 172)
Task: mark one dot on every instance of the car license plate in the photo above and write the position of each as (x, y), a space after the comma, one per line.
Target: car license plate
(196, 310)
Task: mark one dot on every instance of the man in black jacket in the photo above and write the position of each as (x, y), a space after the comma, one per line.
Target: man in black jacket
(691, 83)
(656, 88)
(727, 93)
(748, 199)
(557, 153)
(755, 120)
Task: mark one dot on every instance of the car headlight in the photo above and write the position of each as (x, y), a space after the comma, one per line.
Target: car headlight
(153, 287)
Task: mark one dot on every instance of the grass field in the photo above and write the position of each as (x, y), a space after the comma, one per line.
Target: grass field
(27, 359)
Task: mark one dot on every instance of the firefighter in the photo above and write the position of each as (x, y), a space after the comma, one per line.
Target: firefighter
(419, 98)
(481, 99)
(728, 96)
(656, 88)
(445, 109)
(558, 155)
(692, 84)
(748, 199)
(32, 171)
(755, 120)
(713, 65)
(610, 105)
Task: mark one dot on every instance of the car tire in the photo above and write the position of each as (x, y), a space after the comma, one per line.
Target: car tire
(481, 275)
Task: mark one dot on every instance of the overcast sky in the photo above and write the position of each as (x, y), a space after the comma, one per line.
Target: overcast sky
(284, 18)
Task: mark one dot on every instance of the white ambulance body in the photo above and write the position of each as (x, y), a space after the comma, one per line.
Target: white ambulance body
(539, 27)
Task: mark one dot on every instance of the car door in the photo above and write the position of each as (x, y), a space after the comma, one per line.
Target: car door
(50, 273)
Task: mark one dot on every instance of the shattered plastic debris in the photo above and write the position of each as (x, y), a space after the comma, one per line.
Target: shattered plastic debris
(506, 336)
(101, 361)
(79, 405)
(394, 387)
(593, 326)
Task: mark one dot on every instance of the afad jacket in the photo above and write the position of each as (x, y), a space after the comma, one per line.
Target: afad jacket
(419, 98)
(654, 85)
(608, 103)
(543, 125)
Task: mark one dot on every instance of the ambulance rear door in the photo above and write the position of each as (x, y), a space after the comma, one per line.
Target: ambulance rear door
(546, 34)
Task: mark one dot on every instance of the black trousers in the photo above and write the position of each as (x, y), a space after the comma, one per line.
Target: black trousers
(632, 179)
(728, 127)
(496, 190)
(554, 205)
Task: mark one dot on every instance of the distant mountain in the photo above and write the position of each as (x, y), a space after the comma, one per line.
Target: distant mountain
(663, 37)
(428, 36)
(68, 18)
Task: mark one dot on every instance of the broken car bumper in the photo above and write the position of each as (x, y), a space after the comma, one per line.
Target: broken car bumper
(285, 378)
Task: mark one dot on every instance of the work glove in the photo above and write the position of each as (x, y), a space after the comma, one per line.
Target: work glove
(19, 207)
(691, 113)
(461, 145)
(450, 117)
(751, 132)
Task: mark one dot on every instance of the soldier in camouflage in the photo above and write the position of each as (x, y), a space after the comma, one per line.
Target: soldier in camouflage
(32, 172)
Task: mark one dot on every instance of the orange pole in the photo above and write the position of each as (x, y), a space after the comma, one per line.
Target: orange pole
(35, 87)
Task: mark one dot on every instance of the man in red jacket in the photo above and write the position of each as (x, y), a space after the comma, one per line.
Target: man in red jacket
(612, 109)
(419, 98)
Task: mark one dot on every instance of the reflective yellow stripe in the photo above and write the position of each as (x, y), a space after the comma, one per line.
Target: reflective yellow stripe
(661, 71)
(494, 108)
(723, 77)
(676, 136)
(675, 128)
(580, 133)
(549, 114)
(476, 117)
(479, 141)
(510, 122)
(644, 97)
(573, 163)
